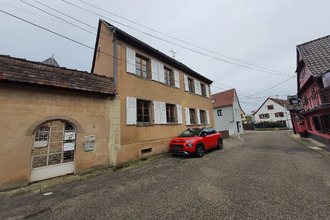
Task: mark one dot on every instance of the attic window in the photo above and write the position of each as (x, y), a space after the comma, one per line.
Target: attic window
(213, 101)
(270, 107)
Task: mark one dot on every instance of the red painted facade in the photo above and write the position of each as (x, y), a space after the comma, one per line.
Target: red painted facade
(312, 116)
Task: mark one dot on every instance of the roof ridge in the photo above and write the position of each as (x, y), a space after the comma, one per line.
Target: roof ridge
(321, 38)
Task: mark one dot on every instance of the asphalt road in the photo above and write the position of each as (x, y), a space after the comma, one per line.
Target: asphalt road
(269, 175)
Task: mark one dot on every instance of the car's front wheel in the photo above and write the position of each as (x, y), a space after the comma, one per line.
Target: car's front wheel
(220, 144)
(200, 151)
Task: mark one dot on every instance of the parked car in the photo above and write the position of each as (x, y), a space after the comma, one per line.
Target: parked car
(196, 141)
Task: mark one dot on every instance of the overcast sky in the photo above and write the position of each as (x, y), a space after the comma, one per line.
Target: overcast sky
(234, 38)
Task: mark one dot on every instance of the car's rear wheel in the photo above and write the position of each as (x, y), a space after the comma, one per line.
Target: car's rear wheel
(220, 144)
(200, 151)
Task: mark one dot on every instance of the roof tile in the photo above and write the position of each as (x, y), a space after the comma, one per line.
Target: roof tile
(223, 98)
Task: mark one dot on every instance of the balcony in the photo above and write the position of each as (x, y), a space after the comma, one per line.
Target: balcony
(325, 96)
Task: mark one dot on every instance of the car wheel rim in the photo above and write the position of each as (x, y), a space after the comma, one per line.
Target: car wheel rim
(220, 144)
(200, 151)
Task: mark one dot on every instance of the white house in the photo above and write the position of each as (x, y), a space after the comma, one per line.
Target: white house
(273, 110)
(227, 112)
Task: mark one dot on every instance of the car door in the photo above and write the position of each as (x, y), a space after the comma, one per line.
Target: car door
(213, 137)
(207, 139)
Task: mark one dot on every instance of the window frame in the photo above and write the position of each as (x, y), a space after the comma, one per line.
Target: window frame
(219, 111)
(147, 60)
(192, 115)
(143, 107)
(168, 112)
(270, 107)
(191, 85)
(264, 116)
(203, 88)
(203, 118)
(168, 76)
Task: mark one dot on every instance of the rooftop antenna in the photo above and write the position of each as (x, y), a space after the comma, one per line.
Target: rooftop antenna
(173, 53)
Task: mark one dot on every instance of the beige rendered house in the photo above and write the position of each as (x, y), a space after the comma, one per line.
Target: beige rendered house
(157, 96)
(54, 121)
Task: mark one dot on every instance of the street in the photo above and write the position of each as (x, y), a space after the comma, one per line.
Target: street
(269, 175)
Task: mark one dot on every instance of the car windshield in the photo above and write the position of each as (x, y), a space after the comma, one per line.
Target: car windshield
(193, 132)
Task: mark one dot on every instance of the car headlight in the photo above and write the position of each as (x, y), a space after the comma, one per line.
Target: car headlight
(190, 140)
(190, 145)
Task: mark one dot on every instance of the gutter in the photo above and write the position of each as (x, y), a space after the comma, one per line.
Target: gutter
(115, 61)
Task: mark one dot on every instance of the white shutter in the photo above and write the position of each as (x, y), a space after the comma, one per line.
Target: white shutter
(161, 73)
(130, 111)
(154, 70)
(186, 111)
(179, 113)
(130, 60)
(156, 112)
(207, 91)
(186, 85)
(163, 113)
(176, 79)
(198, 116)
(199, 92)
(207, 117)
(196, 86)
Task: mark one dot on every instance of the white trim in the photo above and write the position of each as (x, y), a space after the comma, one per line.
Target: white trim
(130, 111)
(186, 85)
(176, 79)
(198, 116)
(187, 115)
(179, 113)
(130, 61)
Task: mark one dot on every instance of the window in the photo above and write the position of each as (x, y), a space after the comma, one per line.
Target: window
(203, 87)
(219, 112)
(142, 66)
(192, 113)
(203, 117)
(170, 115)
(318, 124)
(168, 77)
(42, 134)
(143, 111)
(264, 116)
(279, 114)
(191, 85)
(270, 107)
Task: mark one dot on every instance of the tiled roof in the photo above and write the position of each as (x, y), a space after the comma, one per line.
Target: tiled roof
(223, 98)
(123, 36)
(23, 71)
(316, 55)
(279, 101)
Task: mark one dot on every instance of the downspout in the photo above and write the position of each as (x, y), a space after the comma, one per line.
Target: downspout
(115, 61)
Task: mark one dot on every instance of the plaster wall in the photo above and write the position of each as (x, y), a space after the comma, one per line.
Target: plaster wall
(24, 108)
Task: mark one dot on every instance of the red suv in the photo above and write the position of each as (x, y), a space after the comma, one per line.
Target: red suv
(196, 141)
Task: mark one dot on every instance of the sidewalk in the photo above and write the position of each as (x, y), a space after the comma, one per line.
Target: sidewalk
(313, 144)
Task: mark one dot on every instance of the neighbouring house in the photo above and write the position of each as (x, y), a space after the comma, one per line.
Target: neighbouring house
(310, 108)
(227, 112)
(157, 96)
(54, 121)
(273, 111)
(243, 117)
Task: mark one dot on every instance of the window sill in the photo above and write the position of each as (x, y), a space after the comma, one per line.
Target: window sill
(144, 125)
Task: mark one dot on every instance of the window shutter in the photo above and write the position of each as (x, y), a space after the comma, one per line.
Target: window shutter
(163, 113)
(161, 73)
(176, 79)
(198, 116)
(154, 70)
(179, 113)
(196, 86)
(130, 60)
(156, 112)
(130, 111)
(186, 85)
(199, 91)
(207, 117)
(207, 91)
(186, 111)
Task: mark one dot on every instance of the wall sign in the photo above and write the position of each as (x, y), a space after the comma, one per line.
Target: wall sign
(68, 146)
(69, 136)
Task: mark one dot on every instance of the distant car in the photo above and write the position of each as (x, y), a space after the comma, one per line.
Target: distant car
(196, 141)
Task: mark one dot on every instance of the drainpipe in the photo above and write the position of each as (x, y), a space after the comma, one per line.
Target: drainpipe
(115, 60)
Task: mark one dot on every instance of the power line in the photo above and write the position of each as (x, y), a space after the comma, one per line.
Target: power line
(159, 32)
(167, 41)
(82, 44)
